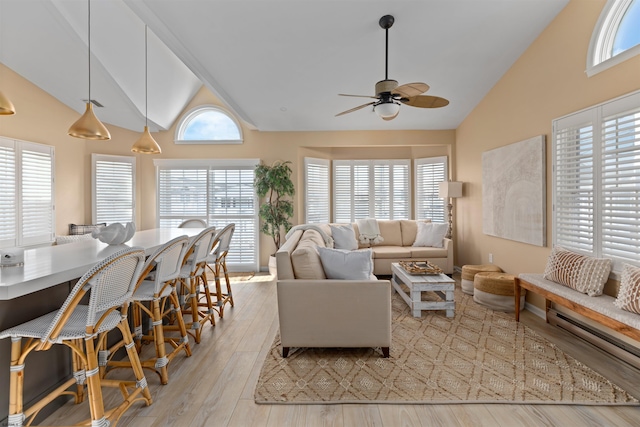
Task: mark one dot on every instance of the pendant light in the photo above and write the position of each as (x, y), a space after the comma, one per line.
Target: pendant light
(146, 144)
(88, 126)
(6, 107)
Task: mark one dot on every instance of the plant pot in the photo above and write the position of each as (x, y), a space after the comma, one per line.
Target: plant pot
(273, 266)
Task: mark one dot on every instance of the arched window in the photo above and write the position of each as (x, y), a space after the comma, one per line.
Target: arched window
(208, 124)
(616, 36)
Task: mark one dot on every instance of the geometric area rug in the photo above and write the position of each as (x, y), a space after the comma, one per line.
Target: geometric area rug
(479, 356)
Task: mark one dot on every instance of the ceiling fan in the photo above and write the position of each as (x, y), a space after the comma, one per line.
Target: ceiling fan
(389, 95)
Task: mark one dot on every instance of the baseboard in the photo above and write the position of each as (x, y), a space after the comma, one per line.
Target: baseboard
(457, 269)
(535, 310)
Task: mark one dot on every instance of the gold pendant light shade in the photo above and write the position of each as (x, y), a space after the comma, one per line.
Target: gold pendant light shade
(146, 144)
(6, 106)
(89, 127)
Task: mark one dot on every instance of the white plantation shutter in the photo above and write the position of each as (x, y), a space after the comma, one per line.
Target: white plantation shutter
(219, 192)
(316, 172)
(232, 199)
(596, 173)
(430, 172)
(26, 186)
(370, 189)
(621, 186)
(113, 188)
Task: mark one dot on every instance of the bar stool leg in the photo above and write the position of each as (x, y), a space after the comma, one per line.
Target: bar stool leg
(94, 389)
(173, 298)
(158, 337)
(16, 382)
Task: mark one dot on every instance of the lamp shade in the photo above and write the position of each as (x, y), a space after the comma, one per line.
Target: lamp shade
(146, 144)
(450, 189)
(89, 127)
(6, 106)
(387, 109)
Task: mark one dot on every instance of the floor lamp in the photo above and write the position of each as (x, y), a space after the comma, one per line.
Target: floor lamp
(450, 190)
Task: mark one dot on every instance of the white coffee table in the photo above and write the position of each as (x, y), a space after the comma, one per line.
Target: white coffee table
(441, 284)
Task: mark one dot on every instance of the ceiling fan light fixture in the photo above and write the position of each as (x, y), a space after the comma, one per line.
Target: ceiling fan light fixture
(387, 109)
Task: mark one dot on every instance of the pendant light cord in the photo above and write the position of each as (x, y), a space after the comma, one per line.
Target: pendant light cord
(146, 74)
(89, 44)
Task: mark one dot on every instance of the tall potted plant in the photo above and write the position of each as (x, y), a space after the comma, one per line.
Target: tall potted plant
(274, 183)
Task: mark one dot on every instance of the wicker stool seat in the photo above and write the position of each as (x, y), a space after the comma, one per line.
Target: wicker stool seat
(469, 272)
(496, 291)
(156, 296)
(109, 285)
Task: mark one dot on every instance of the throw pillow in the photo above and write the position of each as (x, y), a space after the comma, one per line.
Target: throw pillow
(629, 293)
(344, 237)
(79, 229)
(580, 272)
(431, 234)
(346, 265)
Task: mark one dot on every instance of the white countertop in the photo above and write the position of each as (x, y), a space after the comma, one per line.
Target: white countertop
(51, 265)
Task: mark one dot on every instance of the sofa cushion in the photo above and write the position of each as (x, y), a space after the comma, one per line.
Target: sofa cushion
(629, 293)
(431, 234)
(305, 259)
(426, 252)
(346, 265)
(409, 230)
(344, 237)
(580, 272)
(391, 252)
(390, 232)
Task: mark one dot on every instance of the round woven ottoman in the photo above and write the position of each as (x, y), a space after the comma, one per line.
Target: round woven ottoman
(496, 291)
(470, 271)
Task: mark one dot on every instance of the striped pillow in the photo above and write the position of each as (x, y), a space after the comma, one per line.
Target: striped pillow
(629, 293)
(583, 273)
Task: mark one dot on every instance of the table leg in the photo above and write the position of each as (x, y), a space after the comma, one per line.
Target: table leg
(415, 298)
(450, 298)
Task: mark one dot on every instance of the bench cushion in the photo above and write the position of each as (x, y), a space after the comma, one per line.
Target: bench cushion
(602, 304)
(583, 273)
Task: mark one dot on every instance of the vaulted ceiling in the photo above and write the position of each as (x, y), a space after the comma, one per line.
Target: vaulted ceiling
(277, 65)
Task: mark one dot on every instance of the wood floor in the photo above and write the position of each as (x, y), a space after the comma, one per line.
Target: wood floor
(215, 386)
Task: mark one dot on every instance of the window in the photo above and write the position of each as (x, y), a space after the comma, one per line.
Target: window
(316, 198)
(219, 192)
(430, 172)
(26, 193)
(113, 188)
(208, 125)
(596, 181)
(370, 189)
(616, 36)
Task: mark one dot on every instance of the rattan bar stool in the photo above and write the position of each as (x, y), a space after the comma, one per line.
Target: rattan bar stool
(192, 282)
(110, 285)
(158, 290)
(218, 258)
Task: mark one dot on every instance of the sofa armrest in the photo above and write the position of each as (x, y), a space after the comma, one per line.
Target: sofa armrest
(334, 313)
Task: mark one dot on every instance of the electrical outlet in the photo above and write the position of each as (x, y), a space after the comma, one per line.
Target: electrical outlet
(490, 258)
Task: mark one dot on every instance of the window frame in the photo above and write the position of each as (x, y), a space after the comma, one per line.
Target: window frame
(191, 114)
(587, 236)
(208, 165)
(45, 236)
(95, 158)
(604, 33)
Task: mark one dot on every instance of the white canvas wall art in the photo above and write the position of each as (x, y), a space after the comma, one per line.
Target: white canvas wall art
(514, 192)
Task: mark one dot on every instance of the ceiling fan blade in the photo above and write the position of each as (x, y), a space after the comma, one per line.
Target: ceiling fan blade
(411, 89)
(425, 101)
(359, 96)
(391, 117)
(355, 108)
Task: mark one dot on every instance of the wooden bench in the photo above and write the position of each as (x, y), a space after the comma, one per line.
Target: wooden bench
(599, 309)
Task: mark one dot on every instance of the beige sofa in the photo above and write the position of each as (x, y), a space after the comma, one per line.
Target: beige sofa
(330, 313)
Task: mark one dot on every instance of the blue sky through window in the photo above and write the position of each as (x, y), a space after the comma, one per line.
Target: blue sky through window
(628, 34)
(211, 125)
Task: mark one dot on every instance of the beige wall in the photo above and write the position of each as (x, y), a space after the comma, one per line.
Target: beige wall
(546, 82)
(41, 118)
